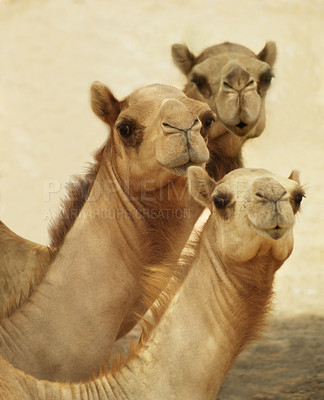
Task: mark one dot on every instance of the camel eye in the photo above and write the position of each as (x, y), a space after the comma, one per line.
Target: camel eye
(208, 122)
(266, 77)
(124, 130)
(298, 198)
(221, 201)
(131, 131)
(207, 119)
(202, 85)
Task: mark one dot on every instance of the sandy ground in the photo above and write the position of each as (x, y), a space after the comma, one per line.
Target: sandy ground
(51, 52)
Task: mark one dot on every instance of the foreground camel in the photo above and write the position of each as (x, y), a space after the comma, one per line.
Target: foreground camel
(131, 212)
(220, 306)
(228, 77)
(233, 81)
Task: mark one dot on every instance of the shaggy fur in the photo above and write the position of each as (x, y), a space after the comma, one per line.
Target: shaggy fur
(77, 193)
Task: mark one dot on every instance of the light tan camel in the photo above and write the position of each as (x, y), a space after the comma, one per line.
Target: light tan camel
(130, 212)
(19, 258)
(219, 308)
(233, 81)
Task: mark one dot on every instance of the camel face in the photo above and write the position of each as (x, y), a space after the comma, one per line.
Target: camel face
(254, 211)
(233, 81)
(156, 132)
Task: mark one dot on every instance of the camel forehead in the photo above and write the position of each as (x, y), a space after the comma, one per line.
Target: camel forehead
(241, 180)
(215, 65)
(199, 107)
(226, 48)
(155, 94)
(149, 99)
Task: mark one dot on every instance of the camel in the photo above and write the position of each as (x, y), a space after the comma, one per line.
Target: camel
(20, 258)
(18, 255)
(204, 321)
(227, 63)
(233, 81)
(130, 213)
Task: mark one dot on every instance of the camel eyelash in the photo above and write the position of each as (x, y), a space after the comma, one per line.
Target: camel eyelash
(296, 199)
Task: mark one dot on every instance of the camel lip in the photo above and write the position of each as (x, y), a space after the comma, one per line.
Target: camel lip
(180, 167)
(271, 233)
(276, 233)
(182, 170)
(241, 125)
(241, 129)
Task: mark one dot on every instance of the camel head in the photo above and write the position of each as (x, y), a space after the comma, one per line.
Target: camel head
(157, 132)
(233, 81)
(253, 210)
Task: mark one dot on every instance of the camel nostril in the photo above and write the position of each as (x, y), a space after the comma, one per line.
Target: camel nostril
(259, 195)
(241, 125)
(176, 126)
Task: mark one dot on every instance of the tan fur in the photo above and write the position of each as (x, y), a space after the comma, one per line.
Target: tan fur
(233, 81)
(205, 323)
(77, 193)
(17, 277)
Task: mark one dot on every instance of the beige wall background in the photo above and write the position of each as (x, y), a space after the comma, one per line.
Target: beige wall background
(51, 52)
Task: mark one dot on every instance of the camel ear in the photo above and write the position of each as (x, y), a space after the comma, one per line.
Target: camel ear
(183, 58)
(103, 103)
(201, 186)
(294, 176)
(268, 53)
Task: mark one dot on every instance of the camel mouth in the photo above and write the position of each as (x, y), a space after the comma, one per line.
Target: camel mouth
(179, 152)
(275, 233)
(182, 170)
(181, 167)
(241, 129)
(241, 125)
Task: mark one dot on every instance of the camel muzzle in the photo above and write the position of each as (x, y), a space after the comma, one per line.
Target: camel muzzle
(182, 150)
(272, 212)
(180, 144)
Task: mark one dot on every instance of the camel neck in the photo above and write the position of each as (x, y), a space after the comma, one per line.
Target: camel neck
(221, 304)
(219, 164)
(99, 256)
(103, 253)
